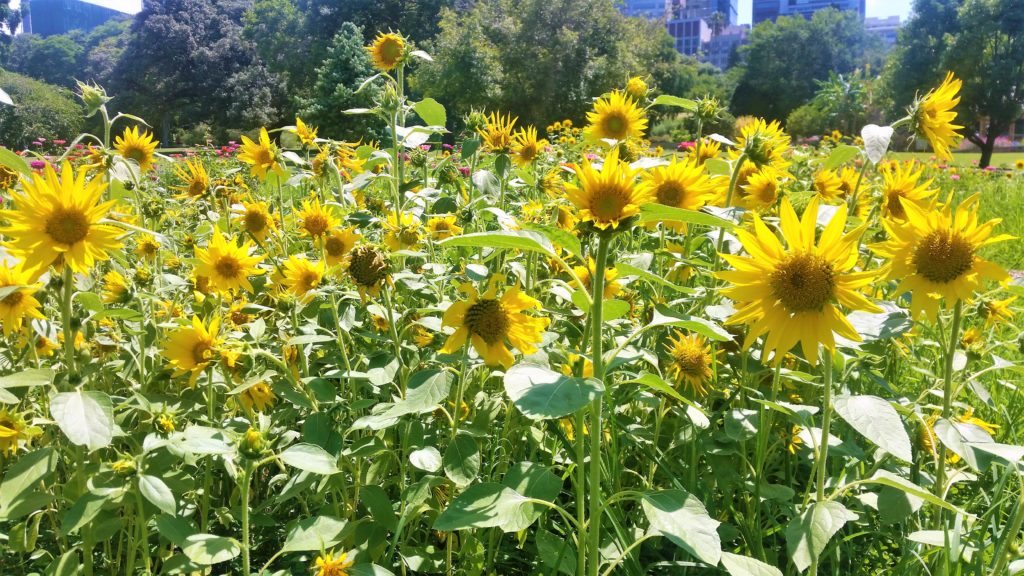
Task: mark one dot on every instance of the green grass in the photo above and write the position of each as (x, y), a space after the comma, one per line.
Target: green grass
(999, 159)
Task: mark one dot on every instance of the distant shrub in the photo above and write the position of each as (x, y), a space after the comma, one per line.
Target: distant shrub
(40, 110)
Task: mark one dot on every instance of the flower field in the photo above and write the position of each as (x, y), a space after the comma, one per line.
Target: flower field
(502, 349)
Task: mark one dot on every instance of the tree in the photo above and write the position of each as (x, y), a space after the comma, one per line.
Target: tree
(785, 58)
(981, 41)
(346, 66)
(275, 28)
(53, 59)
(40, 110)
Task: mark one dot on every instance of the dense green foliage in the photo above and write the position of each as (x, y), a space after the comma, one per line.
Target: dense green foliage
(42, 110)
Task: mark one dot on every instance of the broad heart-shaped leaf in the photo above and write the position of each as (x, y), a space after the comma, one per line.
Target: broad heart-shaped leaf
(664, 316)
(207, 549)
(682, 518)
(369, 570)
(431, 111)
(487, 505)
(738, 565)
(808, 534)
(507, 239)
(876, 141)
(21, 479)
(533, 481)
(157, 492)
(841, 155)
(462, 460)
(877, 421)
(542, 394)
(27, 378)
(318, 533)
(427, 389)
(556, 552)
(86, 418)
(427, 459)
(662, 213)
(675, 101)
(311, 458)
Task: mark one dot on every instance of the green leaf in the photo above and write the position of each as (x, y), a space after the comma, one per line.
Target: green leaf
(462, 460)
(11, 160)
(656, 383)
(542, 394)
(676, 102)
(310, 458)
(876, 141)
(503, 239)
(613, 309)
(431, 111)
(556, 552)
(559, 237)
(427, 390)
(661, 213)
(886, 478)
(310, 534)
(808, 534)
(664, 316)
(427, 459)
(877, 421)
(738, 565)
(126, 314)
(84, 511)
(630, 270)
(682, 518)
(309, 339)
(157, 492)
(86, 418)
(175, 528)
(487, 505)
(18, 488)
(533, 481)
(27, 378)
(207, 549)
(841, 155)
(369, 570)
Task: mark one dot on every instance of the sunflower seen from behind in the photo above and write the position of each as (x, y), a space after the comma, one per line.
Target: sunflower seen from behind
(59, 217)
(227, 264)
(690, 362)
(609, 197)
(933, 254)
(616, 117)
(493, 322)
(933, 116)
(763, 143)
(791, 293)
(141, 148)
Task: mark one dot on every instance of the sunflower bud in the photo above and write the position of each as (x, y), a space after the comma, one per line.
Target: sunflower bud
(252, 444)
(368, 266)
(636, 88)
(93, 96)
(125, 467)
(475, 121)
(709, 109)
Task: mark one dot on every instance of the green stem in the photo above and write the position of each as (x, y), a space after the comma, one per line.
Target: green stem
(244, 497)
(460, 390)
(1002, 556)
(947, 393)
(143, 532)
(728, 203)
(208, 469)
(69, 330)
(821, 469)
(596, 353)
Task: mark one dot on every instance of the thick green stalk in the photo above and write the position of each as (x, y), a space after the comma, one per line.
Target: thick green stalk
(143, 532)
(728, 203)
(821, 469)
(244, 497)
(953, 338)
(69, 330)
(596, 353)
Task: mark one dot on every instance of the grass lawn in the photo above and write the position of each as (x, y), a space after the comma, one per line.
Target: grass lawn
(999, 159)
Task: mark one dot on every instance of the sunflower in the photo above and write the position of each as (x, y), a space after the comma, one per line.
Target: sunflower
(997, 311)
(196, 180)
(616, 117)
(763, 143)
(369, 268)
(564, 218)
(18, 302)
(256, 220)
(404, 234)
(828, 185)
(115, 288)
(302, 276)
(708, 150)
(387, 51)
(901, 186)
(13, 429)
(306, 134)
(338, 243)
(792, 294)
(226, 264)
(526, 147)
(1019, 164)
(761, 190)
(134, 146)
(680, 185)
(262, 156)
(610, 196)
(933, 116)
(933, 254)
(690, 362)
(258, 396)
(441, 227)
(327, 564)
(190, 349)
(316, 219)
(59, 217)
(497, 132)
(489, 321)
(147, 247)
(636, 88)
(586, 274)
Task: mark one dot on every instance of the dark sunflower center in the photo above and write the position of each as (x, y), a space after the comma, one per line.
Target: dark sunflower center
(691, 361)
(803, 282)
(13, 299)
(368, 266)
(315, 224)
(264, 157)
(255, 221)
(607, 203)
(67, 226)
(201, 352)
(135, 153)
(671, 193)
(488, 320)
(228, 267)
(335, 247)
(391, 50)
(895, 205)
(615, 125)
(309, 280)
(943, 256)
(197, 187)
(408, 236)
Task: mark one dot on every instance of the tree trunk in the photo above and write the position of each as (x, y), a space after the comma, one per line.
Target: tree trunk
(986, 152)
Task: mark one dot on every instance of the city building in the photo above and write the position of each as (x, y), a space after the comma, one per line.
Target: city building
(718, 51)
(690, 34)
(52, 17)
(887, 28)
(707, 9)
(772, 9)
(651, 9)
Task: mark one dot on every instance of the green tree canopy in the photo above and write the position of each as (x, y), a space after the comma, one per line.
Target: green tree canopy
(40, 110)
(54, 59)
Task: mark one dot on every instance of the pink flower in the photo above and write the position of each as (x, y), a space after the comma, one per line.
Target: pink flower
(464, 170)
(954, 176)
(37, 164)
(686, 145)
(60, 142)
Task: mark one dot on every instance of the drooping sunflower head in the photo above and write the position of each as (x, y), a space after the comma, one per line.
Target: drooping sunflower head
(387, 51)
(609, 197)
(59, 217)
(190, 349)
(262, 155)
(997, 311)
(690, 362)
(934, 254)
(226, 264)
(497, 132)
(526, 147)
(792, 294)
(306, 134)
(491, 322)
(586, 275)
(13, 429)
(135, 146)
(763, 143)
(902, 185)
(316, 219)
(338, 243)
(327, 564)
(195, 180)
(933, 116)
(301, 276)
(616, 117)
(441, 227)
(19, 303)
(257, 397)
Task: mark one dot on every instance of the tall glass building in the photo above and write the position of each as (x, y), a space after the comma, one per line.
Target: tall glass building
(772, 9)
(51, 17)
